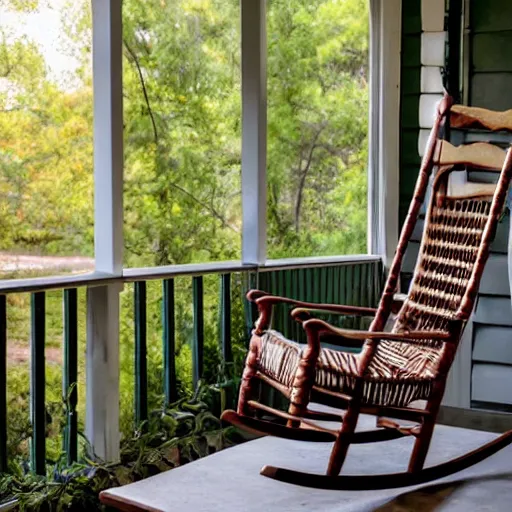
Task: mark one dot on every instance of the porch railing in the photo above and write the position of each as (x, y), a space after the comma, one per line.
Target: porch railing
(349, 280)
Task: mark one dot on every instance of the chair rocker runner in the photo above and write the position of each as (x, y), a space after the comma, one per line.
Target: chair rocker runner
(410, 363)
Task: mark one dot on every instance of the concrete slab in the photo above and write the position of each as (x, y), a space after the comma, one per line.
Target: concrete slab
(230, 480)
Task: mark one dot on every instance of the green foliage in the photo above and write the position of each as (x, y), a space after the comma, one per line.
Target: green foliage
(223, 377)
(182, 188)
(317, 124)
(173, 436)
(182, 110)
(182, 126)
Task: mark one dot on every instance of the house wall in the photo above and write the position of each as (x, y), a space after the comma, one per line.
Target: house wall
(482, 373)
(488, 84)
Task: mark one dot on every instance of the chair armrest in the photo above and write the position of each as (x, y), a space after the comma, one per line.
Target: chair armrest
(266, 301)
(254, 295)
(302, 314)
(322, 327)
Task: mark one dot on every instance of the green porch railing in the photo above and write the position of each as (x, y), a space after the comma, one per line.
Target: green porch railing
(38, 382)
(70, 374)
(169, 341)
(317, 280)
(352, 284)
(141, 368)
(3, 383)
(225, 318)
(198, 343)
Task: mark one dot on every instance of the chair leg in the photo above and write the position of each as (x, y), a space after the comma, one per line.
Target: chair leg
(421, 445)
(302, 385)
(342, 443)
(249, 376)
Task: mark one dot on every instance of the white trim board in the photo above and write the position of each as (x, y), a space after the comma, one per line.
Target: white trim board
(383, 177)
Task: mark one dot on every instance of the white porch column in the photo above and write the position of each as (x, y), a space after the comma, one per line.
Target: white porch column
(102, 414)
(254, 131)
(383, 190)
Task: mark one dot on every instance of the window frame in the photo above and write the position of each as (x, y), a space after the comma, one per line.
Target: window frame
(383, 162)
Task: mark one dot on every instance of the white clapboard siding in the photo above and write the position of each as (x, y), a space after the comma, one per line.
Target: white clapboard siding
(493, 310)
(431, 80)
(495, 277)
(491, 383)
(433, 48)
(492, 344)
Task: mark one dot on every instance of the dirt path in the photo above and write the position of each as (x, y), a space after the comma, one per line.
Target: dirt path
(19, 354)
(20, 262)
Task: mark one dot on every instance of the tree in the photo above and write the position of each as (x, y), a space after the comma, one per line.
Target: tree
(318, 104)
(182, 122)
(45, 157)
(182, 133)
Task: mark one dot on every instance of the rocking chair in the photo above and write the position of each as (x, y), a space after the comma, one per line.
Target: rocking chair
(410, 363)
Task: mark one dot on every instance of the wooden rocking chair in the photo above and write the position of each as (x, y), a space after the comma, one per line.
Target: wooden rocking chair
(412, 361)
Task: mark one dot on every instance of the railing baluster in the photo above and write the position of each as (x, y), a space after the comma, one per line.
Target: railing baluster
(197, 353)
(70, 375)
(141, 369)
(225, 315)
(169, 341)
(3, 384)
(37, 383)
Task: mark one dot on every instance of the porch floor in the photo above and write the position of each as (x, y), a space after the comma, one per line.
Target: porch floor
(229, 481)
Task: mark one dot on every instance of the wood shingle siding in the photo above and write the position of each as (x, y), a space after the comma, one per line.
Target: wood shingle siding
(493, 310)
(492, 344)
(490, 86)
(484, 375)
(490, 383)
(410, 98)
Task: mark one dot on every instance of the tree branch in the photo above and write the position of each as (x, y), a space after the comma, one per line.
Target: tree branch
(302, 182)
(212, 210)
(144, 89)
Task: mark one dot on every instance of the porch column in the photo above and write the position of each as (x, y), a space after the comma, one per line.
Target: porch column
(102, 400)
(383, 189)
(254, 131)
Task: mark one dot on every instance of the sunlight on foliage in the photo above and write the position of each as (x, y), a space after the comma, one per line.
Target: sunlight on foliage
(182, 185)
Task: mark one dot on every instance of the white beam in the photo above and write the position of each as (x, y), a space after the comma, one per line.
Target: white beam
(374, 238)
(102, 353)
(108, 135)
(384, 128)
(254, 131)
(102, 371)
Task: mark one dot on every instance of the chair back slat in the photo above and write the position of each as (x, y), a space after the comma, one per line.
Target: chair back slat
(480, 154)
(463, 116)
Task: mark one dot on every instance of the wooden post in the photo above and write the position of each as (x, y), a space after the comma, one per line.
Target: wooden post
(254, 131)
(102, 370)
(102, 413)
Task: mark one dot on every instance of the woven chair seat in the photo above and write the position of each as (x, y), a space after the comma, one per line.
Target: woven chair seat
(398, 375)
